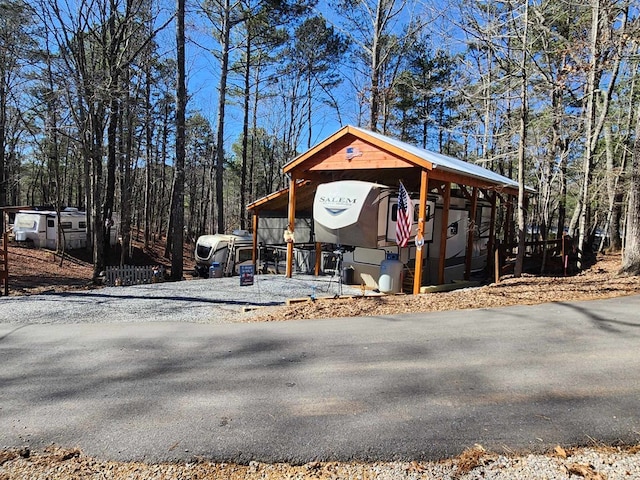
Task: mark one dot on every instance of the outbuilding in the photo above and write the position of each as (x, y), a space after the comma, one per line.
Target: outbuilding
(356, 154)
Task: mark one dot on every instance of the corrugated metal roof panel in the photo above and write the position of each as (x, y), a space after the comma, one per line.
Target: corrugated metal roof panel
(445, 162)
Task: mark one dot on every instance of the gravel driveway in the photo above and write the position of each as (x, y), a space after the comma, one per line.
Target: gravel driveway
(217, 300)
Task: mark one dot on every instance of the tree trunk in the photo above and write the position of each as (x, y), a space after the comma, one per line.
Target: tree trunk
(222, 98)
(126, 183)
(613, 216)
(95, 178)
(177, 259)
(588, 131)
(593, 128)
(374, 102)
(245, 132)
(3, 176)
(522, 148)
(148, 156)
(631, 253)
(163, 175)
(107, 211)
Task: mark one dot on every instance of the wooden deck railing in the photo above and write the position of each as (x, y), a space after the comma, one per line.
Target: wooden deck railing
(4, 262)
(559, 248)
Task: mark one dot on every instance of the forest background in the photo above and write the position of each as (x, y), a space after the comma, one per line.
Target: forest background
(176, 116)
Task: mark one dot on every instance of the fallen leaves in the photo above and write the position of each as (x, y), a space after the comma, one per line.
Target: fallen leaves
(601, 281)
(586, 471)
(470, 459)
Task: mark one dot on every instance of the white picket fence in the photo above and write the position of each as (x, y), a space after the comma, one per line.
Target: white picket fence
(133, 275)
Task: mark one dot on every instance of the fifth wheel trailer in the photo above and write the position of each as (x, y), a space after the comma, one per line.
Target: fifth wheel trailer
(359, 218)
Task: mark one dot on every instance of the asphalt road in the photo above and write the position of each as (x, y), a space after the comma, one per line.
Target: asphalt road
(421, 386)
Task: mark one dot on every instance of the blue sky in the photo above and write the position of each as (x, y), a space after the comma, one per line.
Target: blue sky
(204, 78)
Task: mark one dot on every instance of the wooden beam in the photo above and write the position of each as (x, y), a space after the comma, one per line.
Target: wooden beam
(452, 177)
(465, 192)
(254, 249)
(492, 228)
(318, 265)
(446, 200)
(422, 214)
(292, 225)
(508, 222)
(471, 234)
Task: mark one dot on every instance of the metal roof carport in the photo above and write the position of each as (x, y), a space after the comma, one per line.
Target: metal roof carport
(353, 153)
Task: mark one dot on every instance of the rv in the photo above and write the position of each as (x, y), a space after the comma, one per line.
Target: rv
(40, 228)
(223, 252)
(359, 218)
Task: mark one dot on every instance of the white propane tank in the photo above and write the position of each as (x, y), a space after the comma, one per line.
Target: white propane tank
(390, 274)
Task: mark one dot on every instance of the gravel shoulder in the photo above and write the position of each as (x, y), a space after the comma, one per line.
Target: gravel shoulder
(603, 463)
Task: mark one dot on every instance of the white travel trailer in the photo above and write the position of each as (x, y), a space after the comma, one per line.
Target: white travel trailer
(223, 252)
(40, 227)
(361, 218)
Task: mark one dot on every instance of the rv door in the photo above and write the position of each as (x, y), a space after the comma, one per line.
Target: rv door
(52, 233)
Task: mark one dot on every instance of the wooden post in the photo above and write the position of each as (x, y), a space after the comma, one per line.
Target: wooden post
(292, 224)
(471, 235)
(254, 250)
(318, 265)
(4, 263)
(564, 253)
(422, 220)
(443, 232)
(496, 263)
(508, 233)
(492, 227)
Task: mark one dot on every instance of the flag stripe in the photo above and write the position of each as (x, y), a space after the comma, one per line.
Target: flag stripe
(404, 217)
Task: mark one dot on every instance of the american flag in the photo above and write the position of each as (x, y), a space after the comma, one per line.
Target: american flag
(404, 217)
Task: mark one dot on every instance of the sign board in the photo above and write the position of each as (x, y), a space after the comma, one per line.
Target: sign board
(246, 275)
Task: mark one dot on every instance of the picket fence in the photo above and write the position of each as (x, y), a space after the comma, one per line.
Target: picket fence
(133, 275)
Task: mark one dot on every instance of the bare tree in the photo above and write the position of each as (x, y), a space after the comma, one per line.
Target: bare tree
(374, 28)
(596, 114)
(522, 144)
(177, 202)
(16, 48)
(631, 253)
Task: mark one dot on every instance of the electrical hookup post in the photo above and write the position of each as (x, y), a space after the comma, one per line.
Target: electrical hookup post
(246, 275)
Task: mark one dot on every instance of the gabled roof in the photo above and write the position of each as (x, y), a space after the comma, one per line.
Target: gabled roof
(401, 155)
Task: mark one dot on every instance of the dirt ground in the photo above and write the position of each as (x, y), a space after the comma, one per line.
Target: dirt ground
(35, 271)
(599, 281)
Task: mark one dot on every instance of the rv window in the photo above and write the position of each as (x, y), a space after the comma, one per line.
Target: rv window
(82, 225)
(66, 225)
(416, 212)
(50, 223)
(245, 255)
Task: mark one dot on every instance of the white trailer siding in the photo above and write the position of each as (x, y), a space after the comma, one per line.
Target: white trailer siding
(41, 228)
(363, 215)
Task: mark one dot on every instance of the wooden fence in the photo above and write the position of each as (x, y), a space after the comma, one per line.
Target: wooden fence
(133, 275)
(4, 263)
(555, 249)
